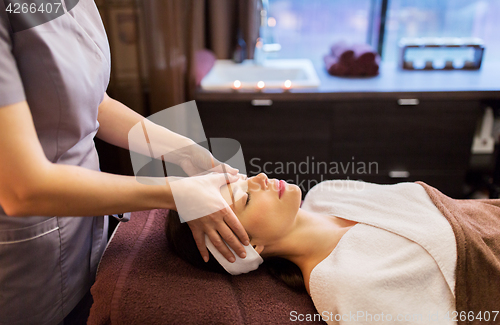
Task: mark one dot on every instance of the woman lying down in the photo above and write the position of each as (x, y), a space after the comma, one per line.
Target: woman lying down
(365, 252)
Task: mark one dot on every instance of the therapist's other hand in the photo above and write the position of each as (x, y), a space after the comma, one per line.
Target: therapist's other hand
(220, 225)
(199, 202)
(198, 160)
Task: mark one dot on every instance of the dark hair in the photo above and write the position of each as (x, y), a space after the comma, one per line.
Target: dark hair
(180, 239)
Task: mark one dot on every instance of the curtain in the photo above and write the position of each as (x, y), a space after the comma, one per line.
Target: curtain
(225, 18)
(174, 30)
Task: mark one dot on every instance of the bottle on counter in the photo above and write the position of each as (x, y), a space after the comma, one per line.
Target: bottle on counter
(240, 51)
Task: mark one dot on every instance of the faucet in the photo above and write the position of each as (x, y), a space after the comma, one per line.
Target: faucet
(262, 47)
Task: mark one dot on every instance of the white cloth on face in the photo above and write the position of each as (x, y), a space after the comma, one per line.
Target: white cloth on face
(399, 260)
(241, 265)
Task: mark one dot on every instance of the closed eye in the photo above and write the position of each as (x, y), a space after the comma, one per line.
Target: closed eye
(248, 198)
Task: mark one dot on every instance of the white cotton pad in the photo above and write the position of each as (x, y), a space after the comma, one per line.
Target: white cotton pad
(242, 265)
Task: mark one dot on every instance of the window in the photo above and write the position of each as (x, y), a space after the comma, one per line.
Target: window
(442, 18)
(306, 28)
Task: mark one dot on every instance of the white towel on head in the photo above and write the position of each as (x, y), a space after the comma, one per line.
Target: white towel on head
(242, 265)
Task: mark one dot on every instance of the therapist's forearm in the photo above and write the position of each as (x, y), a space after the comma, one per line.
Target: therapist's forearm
(32, 185)
(64, 190)
(116, 120)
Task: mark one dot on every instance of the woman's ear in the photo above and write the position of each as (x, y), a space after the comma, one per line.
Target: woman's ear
(258, 248)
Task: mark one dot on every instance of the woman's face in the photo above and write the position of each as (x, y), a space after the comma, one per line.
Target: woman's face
(265, 207)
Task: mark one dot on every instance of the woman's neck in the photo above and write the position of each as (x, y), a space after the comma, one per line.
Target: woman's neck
(312, 238)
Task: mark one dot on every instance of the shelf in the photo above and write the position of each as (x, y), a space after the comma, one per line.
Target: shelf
(392, 82)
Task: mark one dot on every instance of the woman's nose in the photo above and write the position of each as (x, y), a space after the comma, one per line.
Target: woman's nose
(262, 180)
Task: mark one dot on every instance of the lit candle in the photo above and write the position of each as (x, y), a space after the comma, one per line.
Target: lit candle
(261, 84)
(288, 84)
(236, 84)
(259, 43)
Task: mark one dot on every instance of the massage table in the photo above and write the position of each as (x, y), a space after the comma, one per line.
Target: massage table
(141, 281)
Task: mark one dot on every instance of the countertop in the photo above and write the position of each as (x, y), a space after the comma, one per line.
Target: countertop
(392, 82)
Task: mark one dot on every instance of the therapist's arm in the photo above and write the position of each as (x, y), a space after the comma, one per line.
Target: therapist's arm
(31, 185)
(116, 120)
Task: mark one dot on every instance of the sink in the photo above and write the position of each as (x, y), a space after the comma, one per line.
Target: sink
(273, 73)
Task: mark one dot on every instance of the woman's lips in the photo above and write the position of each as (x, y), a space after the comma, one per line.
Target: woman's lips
(281, 187)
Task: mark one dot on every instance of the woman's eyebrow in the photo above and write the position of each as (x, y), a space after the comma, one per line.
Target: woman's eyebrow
(241, 204)
(231, 193)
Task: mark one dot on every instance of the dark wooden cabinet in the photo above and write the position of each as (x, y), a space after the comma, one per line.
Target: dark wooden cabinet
(377, 141)
(274, 139)
(430, 141)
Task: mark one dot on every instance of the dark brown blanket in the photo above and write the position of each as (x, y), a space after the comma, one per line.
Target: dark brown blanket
(476, 224)
(140, 281)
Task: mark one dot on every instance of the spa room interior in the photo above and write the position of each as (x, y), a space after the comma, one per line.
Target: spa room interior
(377, 91)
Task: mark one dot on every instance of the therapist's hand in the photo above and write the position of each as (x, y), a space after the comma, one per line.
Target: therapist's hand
(199, 202)
(198, 160)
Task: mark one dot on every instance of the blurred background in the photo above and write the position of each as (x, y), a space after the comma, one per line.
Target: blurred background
(157, 45)
(146, 34)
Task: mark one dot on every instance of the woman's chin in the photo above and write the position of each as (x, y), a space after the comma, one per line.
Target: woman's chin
(295, 190)
(296, 194)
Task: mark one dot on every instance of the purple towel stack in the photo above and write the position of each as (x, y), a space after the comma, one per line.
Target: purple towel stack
(352, 60)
